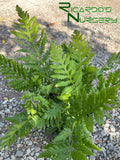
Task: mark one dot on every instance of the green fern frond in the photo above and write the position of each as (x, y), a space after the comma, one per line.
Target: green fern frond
(101, 99)
(21, 13)
(63, 135)
(37, 122)
(83, 149)
(15, 72)
(115, 58)
(89, 121)
(89, 144)
(27, 30)
(68, 67)
(54, 112)
(20, 128)
(78, 155)
(55, 150)
(79, 47)
(112, 78)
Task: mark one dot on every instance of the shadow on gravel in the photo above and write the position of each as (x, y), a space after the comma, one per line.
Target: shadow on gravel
(96, 46)
(6, 45)
(53, 34)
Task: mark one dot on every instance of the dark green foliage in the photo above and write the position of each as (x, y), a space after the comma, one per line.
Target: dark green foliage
(16, 73)
(60, 95)
(20, 128)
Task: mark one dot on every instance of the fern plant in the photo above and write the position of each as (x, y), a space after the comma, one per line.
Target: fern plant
(58, 90)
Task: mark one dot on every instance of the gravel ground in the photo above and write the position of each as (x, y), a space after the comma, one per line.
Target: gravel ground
(104, 39)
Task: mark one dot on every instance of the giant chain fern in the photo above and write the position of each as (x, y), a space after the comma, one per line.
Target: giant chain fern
(59, 91)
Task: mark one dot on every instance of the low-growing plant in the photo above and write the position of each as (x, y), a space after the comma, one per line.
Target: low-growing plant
(59, 92)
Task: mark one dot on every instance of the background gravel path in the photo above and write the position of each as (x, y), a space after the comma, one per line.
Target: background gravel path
(104, 39)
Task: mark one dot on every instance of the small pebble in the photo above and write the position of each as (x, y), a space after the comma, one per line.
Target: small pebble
(92, 158)
(119, 155)
(30, 143)
(31, 158)
(5, 102)
(19, 153)
(28, 151)
(13, 157)
(5, 98)
(112, 128)
(1, 124)
(7, 159)
(7, 111)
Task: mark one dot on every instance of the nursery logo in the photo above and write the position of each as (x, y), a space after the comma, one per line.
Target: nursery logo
(75, 12)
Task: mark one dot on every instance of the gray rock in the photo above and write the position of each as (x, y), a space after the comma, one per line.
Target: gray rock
(114, 122)
(30, 143)
(32, 153)
(11, 100)
(1, 124)
(118, 155)
(110, 145)
(13, 157)
(14, 104)
(110, 138)
(28, 151)
(41, 134)
(113, 134)
(1, 158)
(5, 102)
(105, 138)
(10, 106)
(6, 155)
(5, 105)
(104, 151)
(2, 114)
(106, 125)
(19, 153)
(37, 149)
(112, 128)
(103, 133)
(117, 134)
(36, 154)
(31, 158)
(44, 142)
(7, 111)
(1, 153)
(92, 158)
(32, 149)
(18, 145)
